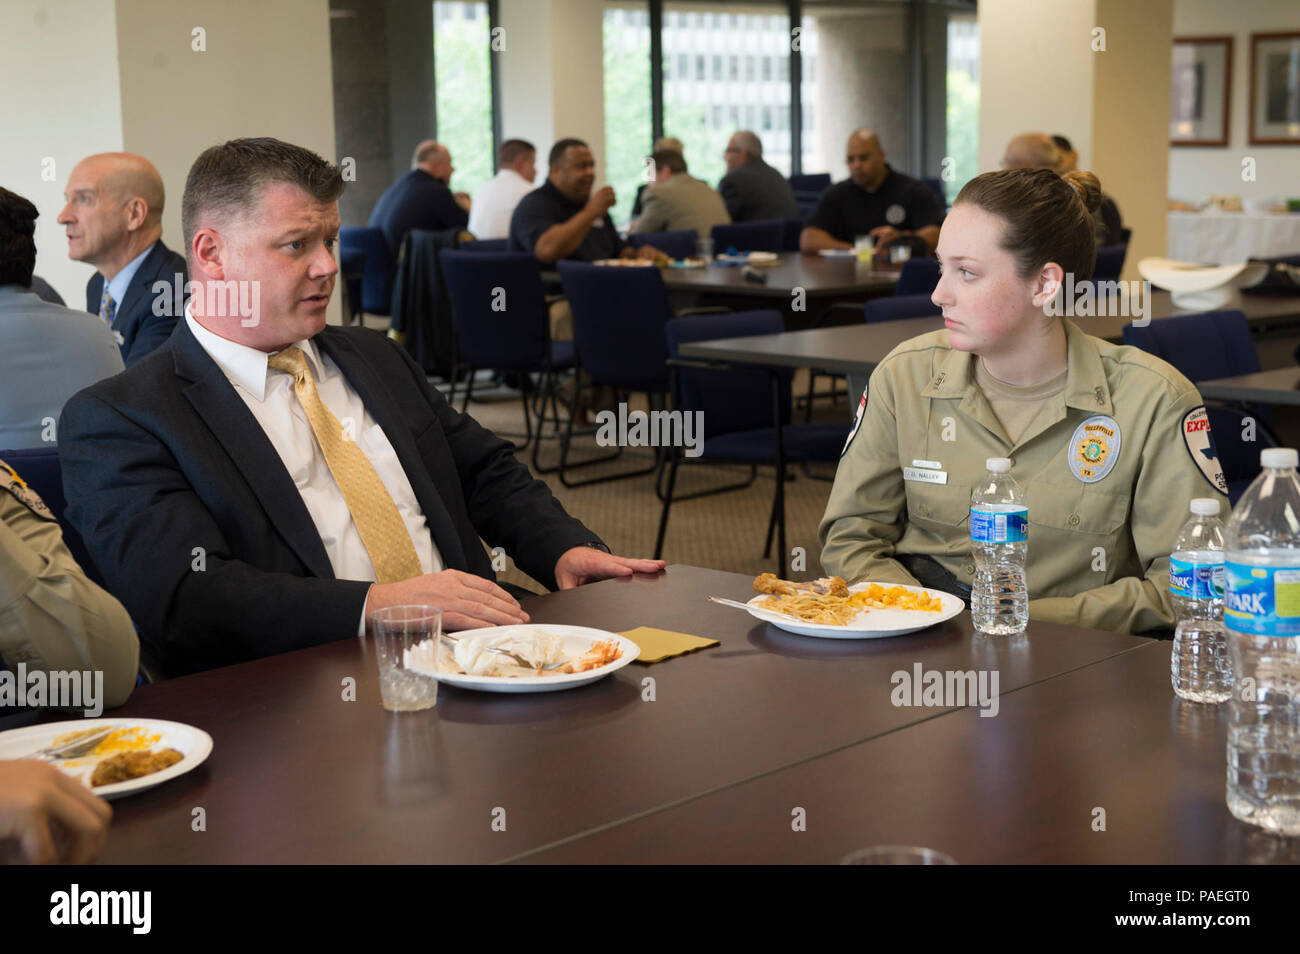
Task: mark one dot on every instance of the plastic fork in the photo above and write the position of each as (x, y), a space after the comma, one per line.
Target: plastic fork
(527, 664)
(70, 750)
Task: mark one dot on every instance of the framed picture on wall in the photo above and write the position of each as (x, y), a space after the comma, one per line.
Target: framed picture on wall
(1201, 91)
(1275, 88)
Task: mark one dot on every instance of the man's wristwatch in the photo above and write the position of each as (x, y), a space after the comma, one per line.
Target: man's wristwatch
(596, 545)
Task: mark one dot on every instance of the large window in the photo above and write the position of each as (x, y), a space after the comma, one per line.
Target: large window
(463, 90)
(628, 129)
(963, 102)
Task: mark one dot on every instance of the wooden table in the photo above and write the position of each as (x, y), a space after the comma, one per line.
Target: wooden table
(1281, 386)
(297, 774)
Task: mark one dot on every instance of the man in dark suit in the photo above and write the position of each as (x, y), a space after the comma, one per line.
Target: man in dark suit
(263, 483)
(753, 190)
(422, 198)
(114, 221)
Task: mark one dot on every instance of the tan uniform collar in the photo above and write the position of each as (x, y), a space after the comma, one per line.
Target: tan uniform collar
(1085, 385)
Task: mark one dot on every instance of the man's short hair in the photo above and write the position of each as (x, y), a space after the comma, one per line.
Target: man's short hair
(17, 239)
(230, 178)
(425, 151)
(513, 149)
(558, 150)
(670, 159)
(1062, 144)
(750, 143)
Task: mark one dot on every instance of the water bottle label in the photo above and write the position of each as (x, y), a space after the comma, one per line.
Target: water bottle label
(992, 524)
(1197, 581)
(1262, 600)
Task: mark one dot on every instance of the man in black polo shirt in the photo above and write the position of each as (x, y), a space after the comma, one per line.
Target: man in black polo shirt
(875, 200)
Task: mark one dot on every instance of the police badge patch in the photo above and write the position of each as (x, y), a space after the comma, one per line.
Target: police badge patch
(10, 481)
(1094, 448)
(857, 422)
(895, 214)
(1200, 444)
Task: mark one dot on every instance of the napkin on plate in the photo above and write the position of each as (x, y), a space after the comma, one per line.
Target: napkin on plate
(660, 644)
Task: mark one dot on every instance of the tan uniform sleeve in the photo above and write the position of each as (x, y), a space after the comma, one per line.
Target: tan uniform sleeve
(51, 616)
(654, 214)
(868, 499)
(1168, 481)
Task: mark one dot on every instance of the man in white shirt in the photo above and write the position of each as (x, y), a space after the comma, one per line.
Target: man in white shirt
(495, 201)
(263, 483)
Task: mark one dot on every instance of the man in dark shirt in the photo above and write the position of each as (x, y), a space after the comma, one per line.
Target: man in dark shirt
(421, 199)
(753, 190)
(565, 218)
(875, 200)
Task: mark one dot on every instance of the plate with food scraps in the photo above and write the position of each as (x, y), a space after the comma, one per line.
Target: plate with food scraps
(588, 655)
(137, 755)
(866, 610)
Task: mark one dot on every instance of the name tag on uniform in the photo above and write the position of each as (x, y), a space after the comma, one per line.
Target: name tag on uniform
(925, 475)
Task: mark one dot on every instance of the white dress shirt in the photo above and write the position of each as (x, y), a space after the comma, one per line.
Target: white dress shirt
(494, 203)
(269, 394)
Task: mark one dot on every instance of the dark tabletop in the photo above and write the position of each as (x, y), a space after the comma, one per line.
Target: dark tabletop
(1023, 786)
(817, 275)
(858, 348)
(1281, 386)
(297, 774)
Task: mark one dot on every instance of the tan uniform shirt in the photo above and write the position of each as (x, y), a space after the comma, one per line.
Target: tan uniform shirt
(51, 616)
(1108, 471)
(682, 202)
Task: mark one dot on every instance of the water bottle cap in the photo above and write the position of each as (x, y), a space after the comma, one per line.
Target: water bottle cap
(1002, 465)
(1205, 506)
(1278, 458)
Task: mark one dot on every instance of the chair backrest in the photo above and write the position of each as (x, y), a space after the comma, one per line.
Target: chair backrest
(377, 275)
(918, 276)
(764, 235)
(618, 323)
(792, 228)
(40, 468)
(817, 182)
(485, 245)
(732, 401)
(498, 308)
(1110, 262)
(1125, 234)
(899, 306)
(677, 243)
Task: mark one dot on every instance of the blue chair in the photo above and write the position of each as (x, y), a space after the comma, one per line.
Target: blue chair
(498, 309)
(41, 469)
(352, 267)
(679, 243)
(379, 267)
(918, 276)
(1110, 262)
(765, 235)
(817, 182)
(618, 334)
(791, 230)
(740, 407)
(485, 245)
(1214, 344)
(900, 306)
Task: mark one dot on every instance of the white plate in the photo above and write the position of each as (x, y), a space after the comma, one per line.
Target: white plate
(871, 624)
(194, 744)
(577, 640)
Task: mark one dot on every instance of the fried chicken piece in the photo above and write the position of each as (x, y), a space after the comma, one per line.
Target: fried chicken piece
(128, 765)
(825, 586)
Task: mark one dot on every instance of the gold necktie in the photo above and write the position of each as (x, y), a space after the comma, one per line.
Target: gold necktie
(380, 525)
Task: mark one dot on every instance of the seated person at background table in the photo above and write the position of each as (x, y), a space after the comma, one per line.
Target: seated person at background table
(495, 201)
(663, 143)
(114, 221)
(263, 483)
(875, 200)
(422, 198)
(47, 353)
(753, 190)
(1040, 151)
(49, 817)
(678, 200)
(52, 618)
(1109, 443)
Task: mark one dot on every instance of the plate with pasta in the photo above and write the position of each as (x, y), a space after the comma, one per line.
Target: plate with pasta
(831, 609)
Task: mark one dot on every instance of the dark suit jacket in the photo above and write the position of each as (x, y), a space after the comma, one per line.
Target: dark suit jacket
(199, 530)
(416, 201)
(756, 191)
(142, 331)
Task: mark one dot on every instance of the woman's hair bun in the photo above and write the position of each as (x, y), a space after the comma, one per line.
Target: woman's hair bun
(1088, 186)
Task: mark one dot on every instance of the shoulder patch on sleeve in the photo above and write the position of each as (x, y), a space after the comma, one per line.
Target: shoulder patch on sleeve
(1200, 445)
(857, 421)
(10, 481)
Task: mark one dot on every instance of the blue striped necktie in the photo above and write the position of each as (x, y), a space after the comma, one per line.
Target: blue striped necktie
(107, 307)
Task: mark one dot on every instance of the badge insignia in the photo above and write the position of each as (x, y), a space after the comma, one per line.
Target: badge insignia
(1094, 448)
(895, 214)
(1200, 444)
(10, 481)
(857, 422)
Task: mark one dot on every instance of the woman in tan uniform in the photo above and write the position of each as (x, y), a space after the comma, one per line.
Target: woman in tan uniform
(1109, 443)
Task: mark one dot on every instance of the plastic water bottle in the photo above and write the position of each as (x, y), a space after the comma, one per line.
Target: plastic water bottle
(999, 534)
(1262, 614)
(1200, 667)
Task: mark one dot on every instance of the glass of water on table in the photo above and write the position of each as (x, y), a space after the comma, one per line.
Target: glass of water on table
(406, 645)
